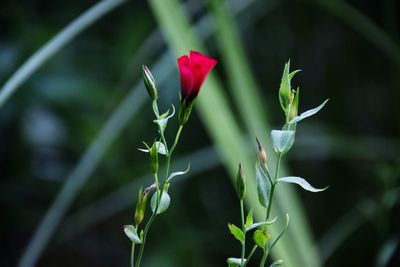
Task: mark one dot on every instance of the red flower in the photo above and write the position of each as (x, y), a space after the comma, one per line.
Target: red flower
(193, 70)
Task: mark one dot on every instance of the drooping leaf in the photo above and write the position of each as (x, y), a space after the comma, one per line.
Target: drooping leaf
(249, 219)
(255, 225)
(172, 175)
(283, 140)
(261, 238)
(131, 233)
(263, 185)
(235, 262)
(300, 181)
(236, 232)
(159, 145)
(308, 113)
(163, 205)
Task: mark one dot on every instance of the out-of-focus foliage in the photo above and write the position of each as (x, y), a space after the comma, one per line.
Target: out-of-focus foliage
(53, 118)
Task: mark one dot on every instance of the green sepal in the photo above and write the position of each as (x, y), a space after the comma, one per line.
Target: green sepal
(261, 239)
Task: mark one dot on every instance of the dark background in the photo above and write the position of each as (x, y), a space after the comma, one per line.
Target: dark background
(47, 125)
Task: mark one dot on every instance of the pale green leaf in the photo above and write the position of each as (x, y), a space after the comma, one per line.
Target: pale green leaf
(261, 238)
(300, 181)
(236, 232)
(263, 185)
(282, 141)
(159, 145)
(131, 233)
(172, 175)
(255, 225)
(249, 219)
(308, 113)
(163, 205)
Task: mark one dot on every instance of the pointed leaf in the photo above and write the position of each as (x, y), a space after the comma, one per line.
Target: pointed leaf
(300, 181)
(308, 113)
(282, 141)
(236, 232)
(164, 202)
(131, 233)
(255, 225)
(249, 219)
(159, 145)
(282, 232)
(263, 185)
(172, 175)
(277, 263)
(291, 75)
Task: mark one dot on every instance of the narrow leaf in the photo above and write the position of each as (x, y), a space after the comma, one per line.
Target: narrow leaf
(300, 181)
(249, 219)
(263, 185)
(255, 225)
(236, 232)
(131, 233)
(277, 263)
(281, 233)
(308, 113)
(172, 175)
(164, 202)
(282, 141)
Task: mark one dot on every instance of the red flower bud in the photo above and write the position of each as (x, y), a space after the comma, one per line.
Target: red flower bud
(193, 70)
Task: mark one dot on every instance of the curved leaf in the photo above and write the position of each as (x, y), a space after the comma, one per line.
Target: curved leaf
(131, 233)
(283, 140)
(300, 181)
(308, 113)
(164, 202)
(172, 175)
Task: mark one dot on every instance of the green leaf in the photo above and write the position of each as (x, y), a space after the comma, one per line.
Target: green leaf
(236, 232)
(291, 75)
(255, 225)
(131, 233)
(164, 202)
(308, 113)
(249, 219)
(163, 119)
(235, 262)
(263, 184)
(261, 239)
(300, 181)
(277, 263)
(172, 175)
(282, 141)
(159, 145)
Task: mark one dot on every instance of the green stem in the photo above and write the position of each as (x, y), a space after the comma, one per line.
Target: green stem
(159, 191)
(244, 232)
(278, 162)
(132, 254)
(250, 255)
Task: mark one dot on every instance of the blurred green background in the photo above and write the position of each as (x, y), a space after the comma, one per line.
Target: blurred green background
(70, 170)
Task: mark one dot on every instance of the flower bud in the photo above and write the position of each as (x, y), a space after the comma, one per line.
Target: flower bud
(241, 183)
(262, 156)
(141, 206)
(154, 157)
(149, 82)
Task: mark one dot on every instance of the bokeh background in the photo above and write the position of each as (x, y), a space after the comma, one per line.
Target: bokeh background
(70, 170)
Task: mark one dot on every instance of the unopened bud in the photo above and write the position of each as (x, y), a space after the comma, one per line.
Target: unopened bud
(241, 183)
(294, 104)
(141, 206)
(154, 157)
(149, 82)
(262, 156)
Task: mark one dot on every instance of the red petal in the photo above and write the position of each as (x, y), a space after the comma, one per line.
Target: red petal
(187, 80)
(200, 65)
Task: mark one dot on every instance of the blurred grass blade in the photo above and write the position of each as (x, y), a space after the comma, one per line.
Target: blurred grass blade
(254, 114)
(362, 24)
(221, 125)
(55, 45)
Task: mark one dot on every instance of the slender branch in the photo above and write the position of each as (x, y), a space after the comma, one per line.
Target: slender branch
(133, 254)
(250, 255)
(244, 232)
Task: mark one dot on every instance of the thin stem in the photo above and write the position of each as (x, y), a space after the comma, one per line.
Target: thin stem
(244, 232)
(159, 191)
(263, 259)
(250, 255)
(132, 254)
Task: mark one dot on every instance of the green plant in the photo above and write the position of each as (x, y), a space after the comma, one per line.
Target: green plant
(267, 181)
